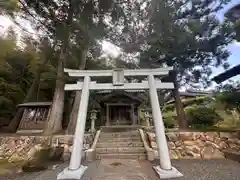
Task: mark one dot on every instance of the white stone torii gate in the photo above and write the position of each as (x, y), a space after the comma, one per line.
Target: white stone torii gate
(76, 169)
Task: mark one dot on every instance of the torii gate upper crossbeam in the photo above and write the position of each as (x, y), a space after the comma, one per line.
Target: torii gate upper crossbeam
(127, 72)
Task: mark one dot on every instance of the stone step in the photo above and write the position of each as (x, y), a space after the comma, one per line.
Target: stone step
(125, 134)
(140, 156)
(119, 144)
(120, 139)
(120, 150)
(120, 128)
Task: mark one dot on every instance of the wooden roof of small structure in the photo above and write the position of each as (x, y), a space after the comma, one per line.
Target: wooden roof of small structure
(188, 93)
(227, 74)
(35, 104)
(233, 13)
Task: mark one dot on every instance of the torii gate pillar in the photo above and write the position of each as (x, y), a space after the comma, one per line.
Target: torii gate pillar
(76, 169)
(165, 170)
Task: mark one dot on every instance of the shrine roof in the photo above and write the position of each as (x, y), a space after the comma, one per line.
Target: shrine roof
(35, 104)
(120, 93)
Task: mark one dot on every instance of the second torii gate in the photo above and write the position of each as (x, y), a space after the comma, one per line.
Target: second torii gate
(76, 169)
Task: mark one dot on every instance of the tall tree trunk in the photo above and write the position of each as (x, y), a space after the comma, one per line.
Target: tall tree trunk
(31, 96)
(179, 106)
(54, 123)
(76, 104)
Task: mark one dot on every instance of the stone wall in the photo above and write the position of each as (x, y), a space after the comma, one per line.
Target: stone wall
(18, 148)
(198, 145)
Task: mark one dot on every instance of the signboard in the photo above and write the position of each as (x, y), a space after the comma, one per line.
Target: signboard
(118, 77)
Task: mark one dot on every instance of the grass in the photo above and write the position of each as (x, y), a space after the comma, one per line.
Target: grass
(34, 167)
(7, 168)
(41, 161)
(205, 129)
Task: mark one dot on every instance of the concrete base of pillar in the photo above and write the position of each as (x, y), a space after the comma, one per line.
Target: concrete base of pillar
(166, 174)
(72, 174)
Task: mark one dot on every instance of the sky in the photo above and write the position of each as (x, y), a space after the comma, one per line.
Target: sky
(109, 48)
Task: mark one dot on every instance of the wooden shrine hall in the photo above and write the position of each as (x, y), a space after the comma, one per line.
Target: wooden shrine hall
(119, 108)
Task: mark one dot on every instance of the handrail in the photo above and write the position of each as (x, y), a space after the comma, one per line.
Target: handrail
(90, 153)
(95, 139)
(150, 151)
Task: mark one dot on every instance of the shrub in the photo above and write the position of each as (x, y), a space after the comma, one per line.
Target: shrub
(200, 117)
(169, 120)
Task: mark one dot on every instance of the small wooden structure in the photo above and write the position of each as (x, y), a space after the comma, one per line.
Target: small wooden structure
(34, 116)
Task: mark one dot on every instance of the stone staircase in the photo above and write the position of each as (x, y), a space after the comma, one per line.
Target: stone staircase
(120, 145)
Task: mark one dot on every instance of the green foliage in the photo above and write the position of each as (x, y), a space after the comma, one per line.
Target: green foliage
(169, 121)
(200, 116)
(8, 6)
(230, 100)
(191, 39)
(43, 155)
(18, 68)
(10, 95)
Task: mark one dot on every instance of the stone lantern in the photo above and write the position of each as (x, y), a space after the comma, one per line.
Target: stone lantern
(93, 117)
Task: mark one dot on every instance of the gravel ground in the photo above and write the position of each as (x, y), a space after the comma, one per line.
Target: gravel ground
(207, 169)
(142, 170)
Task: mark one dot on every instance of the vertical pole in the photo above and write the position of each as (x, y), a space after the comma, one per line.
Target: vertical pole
(24, 119)
(107, 123)
(138, 116)
(76, 157)
(165, 162)
(133, 114)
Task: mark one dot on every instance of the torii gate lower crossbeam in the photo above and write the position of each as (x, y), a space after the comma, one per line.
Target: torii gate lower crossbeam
(76, 169)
